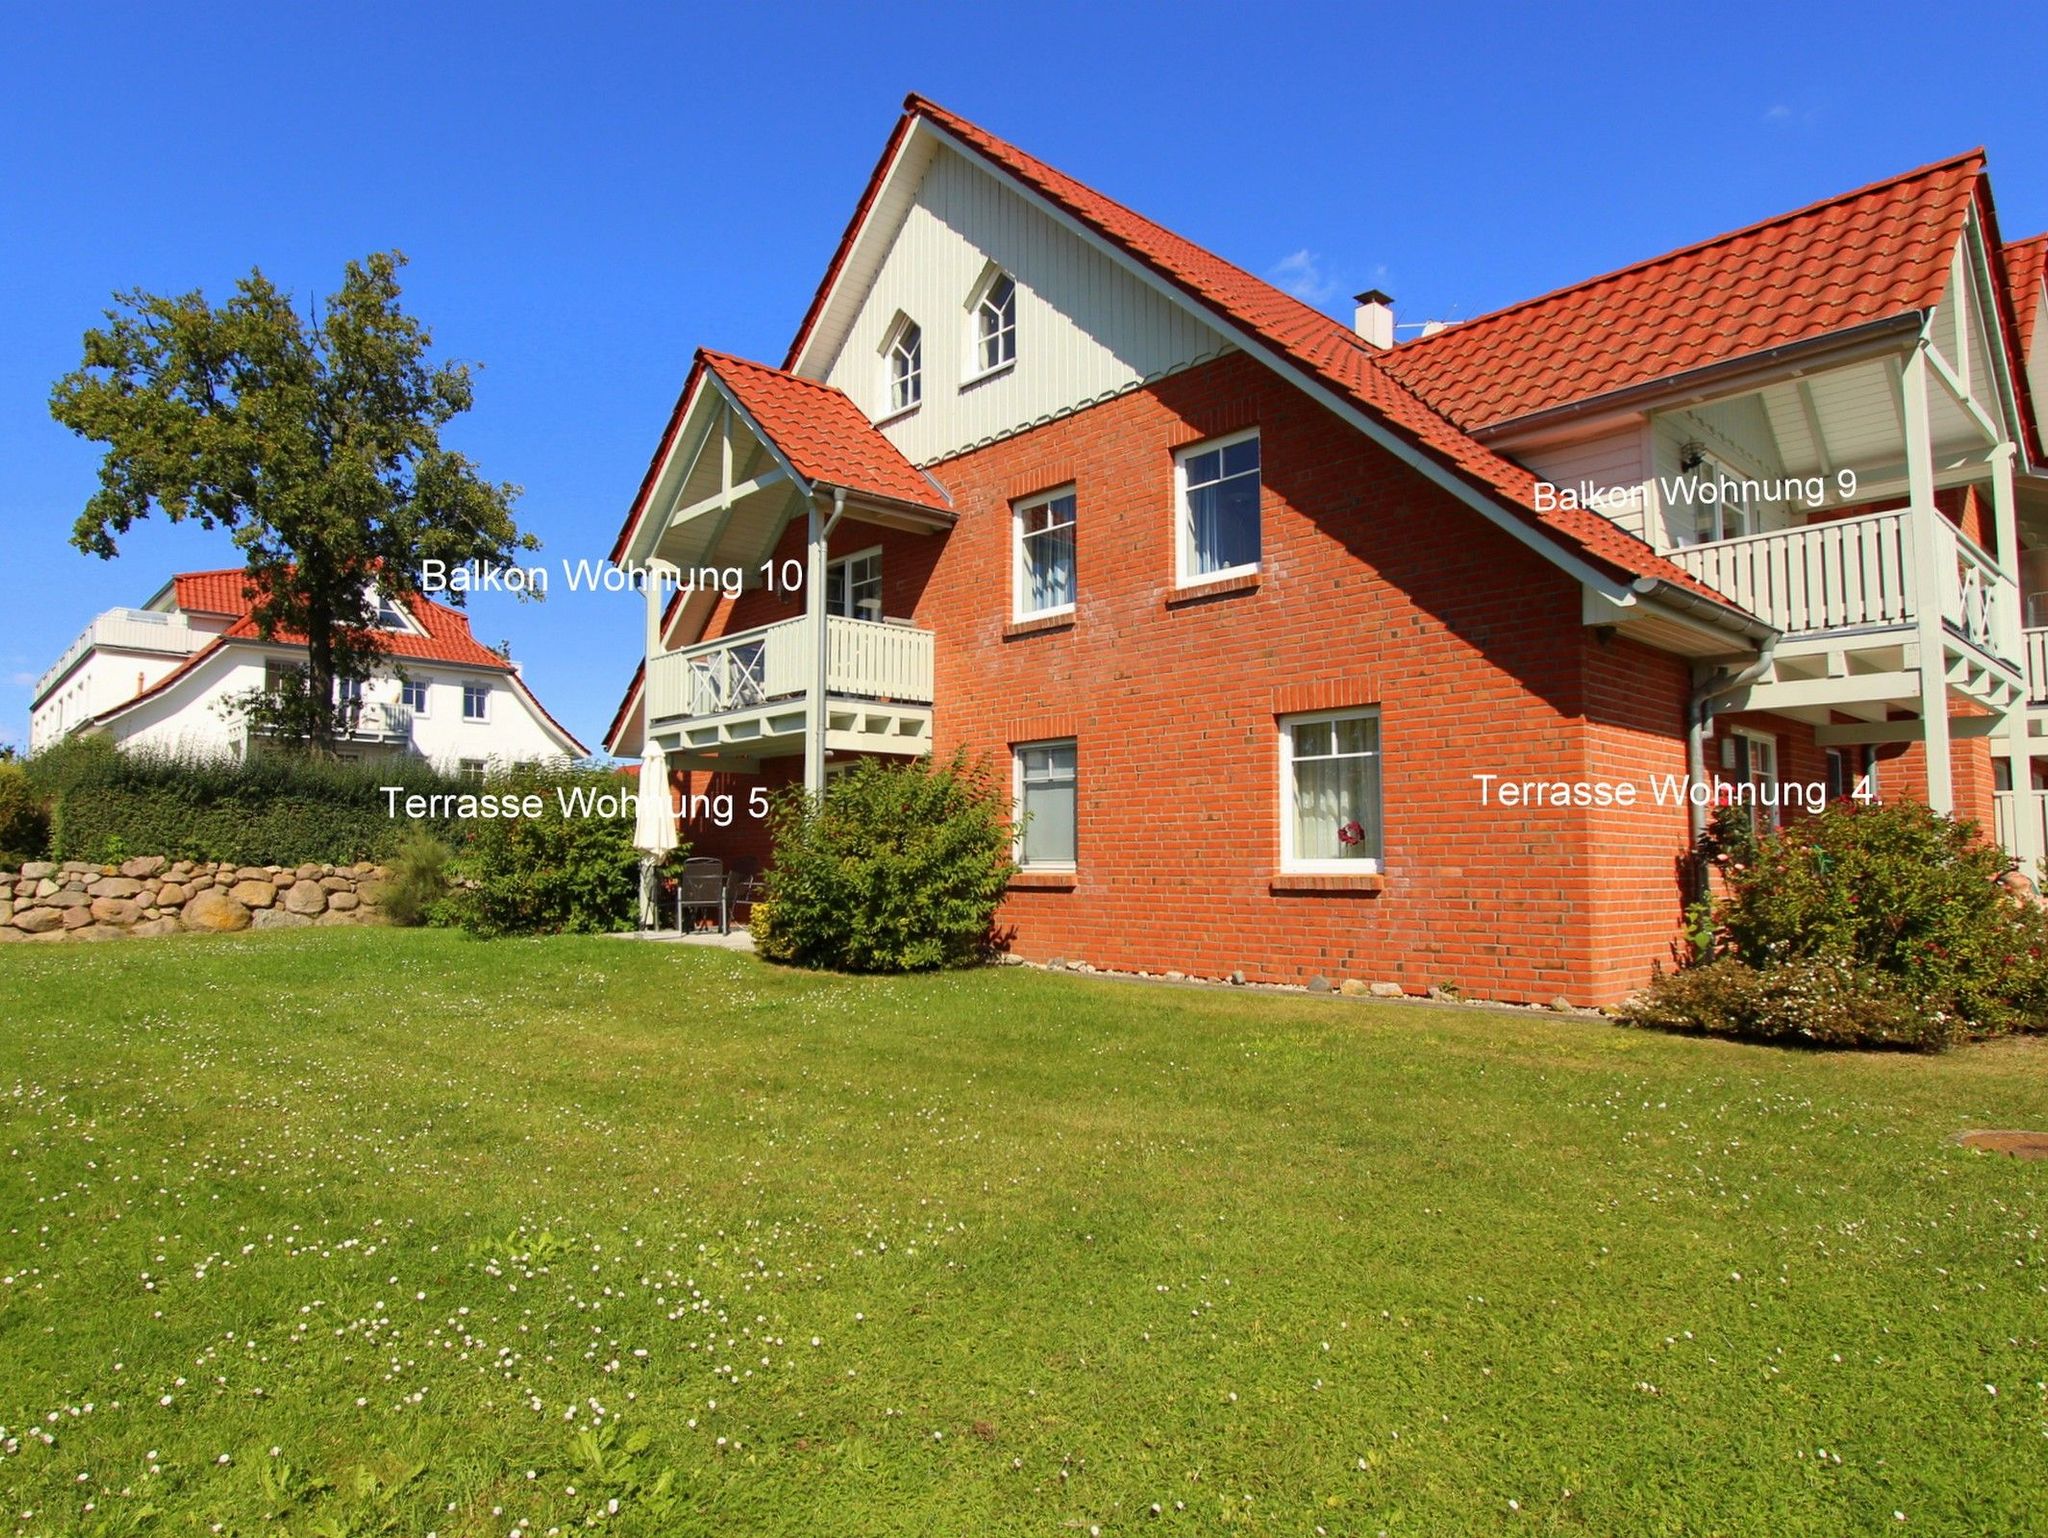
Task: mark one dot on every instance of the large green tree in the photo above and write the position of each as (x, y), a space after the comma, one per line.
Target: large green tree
(315, 439)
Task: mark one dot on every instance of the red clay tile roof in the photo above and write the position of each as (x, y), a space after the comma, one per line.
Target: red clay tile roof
(1863, 256)
(1324, 347)
(818, 428)
(211, 592)
(447, 637)
(2026, 263)
(825, 437)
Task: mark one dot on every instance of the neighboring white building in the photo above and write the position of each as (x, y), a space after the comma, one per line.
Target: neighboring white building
(166, 675)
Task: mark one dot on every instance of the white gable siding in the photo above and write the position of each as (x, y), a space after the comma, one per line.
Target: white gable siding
(1610, 462)
(1085, 328)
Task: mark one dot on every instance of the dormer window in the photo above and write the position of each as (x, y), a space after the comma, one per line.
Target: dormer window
(995, 323)
(391, 614)
(905, 355)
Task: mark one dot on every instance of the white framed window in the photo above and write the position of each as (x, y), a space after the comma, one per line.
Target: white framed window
(1330, 805)
(1216, 492)
(348, 691)
(476, 702)
(904, 355)
(1720, 506)
(1749, 759)
(1046, 774)
(472, 769)
(1044, 580)
(412, 692)
(994, 308)
(853, 585)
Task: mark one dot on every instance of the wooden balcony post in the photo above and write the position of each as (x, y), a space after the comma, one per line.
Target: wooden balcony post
(1931, 582)
(2027, 840)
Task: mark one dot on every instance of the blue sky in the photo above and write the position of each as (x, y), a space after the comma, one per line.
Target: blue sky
(585, 200)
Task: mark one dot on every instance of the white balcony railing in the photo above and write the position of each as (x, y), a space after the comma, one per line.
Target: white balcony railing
(864, 660)
(1855, 574)
(140, 630)
(2037, 665)
(2002, 805)
(371, 721)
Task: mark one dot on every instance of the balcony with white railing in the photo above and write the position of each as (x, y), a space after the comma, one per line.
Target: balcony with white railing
(2036, 640)
(132, 630)
(751, 687)
(1856, 575)
(387, 722)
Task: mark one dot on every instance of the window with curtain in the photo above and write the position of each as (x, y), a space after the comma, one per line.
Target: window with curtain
(1045, 804)
(996, 325)
(1045, 554)
(1219, 511)
(1330, 795)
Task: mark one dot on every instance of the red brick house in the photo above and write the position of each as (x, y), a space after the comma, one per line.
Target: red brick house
(1251, 603)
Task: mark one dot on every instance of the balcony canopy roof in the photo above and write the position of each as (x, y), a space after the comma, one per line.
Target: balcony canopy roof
(750, 447)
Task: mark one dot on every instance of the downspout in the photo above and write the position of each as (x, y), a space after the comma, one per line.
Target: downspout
(821, 661)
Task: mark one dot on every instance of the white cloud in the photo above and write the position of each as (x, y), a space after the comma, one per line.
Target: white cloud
(21, 680)
(1778, 112)
(1304, 274)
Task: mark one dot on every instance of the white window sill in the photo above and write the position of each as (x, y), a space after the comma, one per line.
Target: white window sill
(987, 374)
(1185, 583)
(896, 416)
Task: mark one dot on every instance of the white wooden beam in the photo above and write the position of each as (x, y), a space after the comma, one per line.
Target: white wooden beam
(1930, 581)
(1915, 730)
(722, 500)
(1959, 390)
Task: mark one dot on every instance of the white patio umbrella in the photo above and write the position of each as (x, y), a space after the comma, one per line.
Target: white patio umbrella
(654, 828)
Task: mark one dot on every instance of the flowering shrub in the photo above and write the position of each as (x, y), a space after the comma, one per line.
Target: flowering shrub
(1836, 928)
(1825, 1003)
(897, 869)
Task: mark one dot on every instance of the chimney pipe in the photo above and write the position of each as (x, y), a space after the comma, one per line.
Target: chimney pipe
(1375, 318)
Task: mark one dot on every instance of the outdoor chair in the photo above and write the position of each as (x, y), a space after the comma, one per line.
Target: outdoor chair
(700, 889)
(743, 888)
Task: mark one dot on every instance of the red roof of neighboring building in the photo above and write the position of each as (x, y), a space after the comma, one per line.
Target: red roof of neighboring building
(212, 592)
(2026, 264)
(825, 437)
(447, 638)
(1863, 256)
(1322, 346)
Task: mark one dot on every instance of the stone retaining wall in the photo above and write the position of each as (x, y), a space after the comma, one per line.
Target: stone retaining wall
(152, 895)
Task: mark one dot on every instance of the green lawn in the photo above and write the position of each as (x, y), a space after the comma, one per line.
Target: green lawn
(368, 1231)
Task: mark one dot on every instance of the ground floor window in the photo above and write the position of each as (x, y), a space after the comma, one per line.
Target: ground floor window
(1749, 762)
(471, 769)
(1330, 791)
(1046, 774)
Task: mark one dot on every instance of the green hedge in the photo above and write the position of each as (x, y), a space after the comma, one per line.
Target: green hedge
(275, 809)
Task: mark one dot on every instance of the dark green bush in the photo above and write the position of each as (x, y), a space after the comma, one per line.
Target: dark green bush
(271, 809)
(1892, 909)
(898, 869)
(419, 882)
(24, 820)
(560, 872)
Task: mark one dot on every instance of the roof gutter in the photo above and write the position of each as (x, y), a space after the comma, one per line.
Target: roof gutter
(1868, 339)
(1724, 616)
